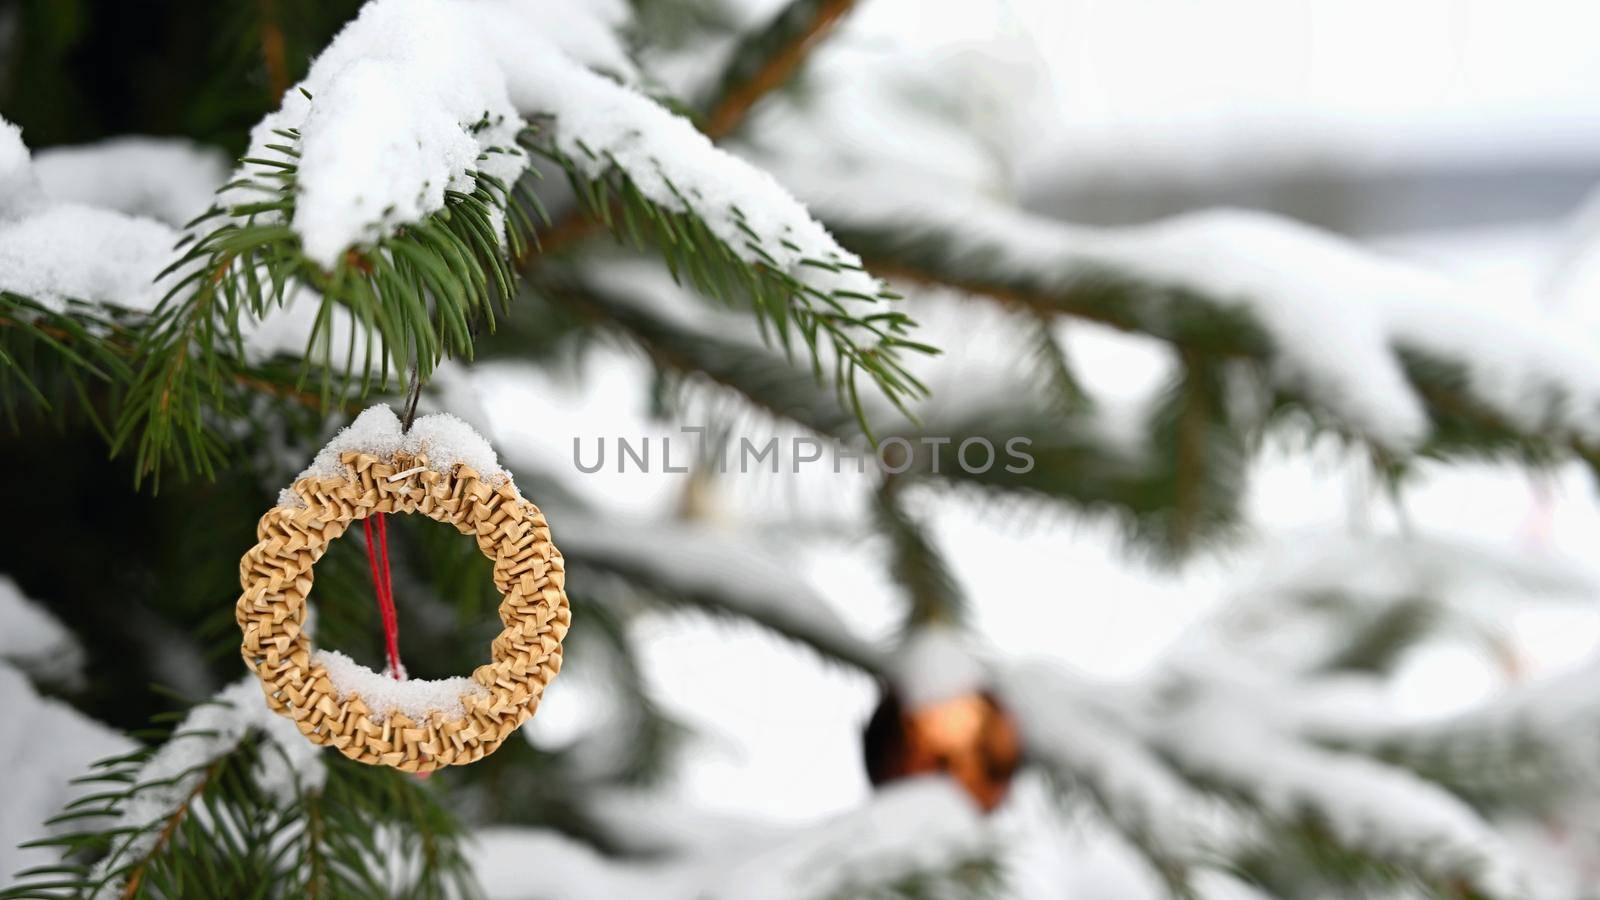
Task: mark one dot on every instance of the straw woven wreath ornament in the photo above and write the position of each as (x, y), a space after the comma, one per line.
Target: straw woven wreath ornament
(444, 470)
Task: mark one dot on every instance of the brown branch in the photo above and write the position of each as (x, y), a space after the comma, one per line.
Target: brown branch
(1440, 398)
(136, 874)
(1191, 459)
(273, 54)
(309, 399)
(1027, 301)
(573, 228)
(314, 836)
(735, 104)
(724, 116)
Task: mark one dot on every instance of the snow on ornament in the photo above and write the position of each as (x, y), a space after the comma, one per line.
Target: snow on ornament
(936, 716)
(444, 470)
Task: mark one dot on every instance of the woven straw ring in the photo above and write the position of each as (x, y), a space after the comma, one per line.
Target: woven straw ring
(276, 577)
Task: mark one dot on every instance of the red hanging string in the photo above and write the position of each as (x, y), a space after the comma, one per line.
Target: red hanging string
(383, 583)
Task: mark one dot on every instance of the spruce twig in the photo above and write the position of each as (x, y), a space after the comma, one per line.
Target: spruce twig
(1195, 323)
(273, 54)
(915, 561)
(1193, 423)
(767, 59)
(130, 890)
(762, 62)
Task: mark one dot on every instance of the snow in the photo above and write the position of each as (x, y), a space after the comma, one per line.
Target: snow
(730, 570)
(648, 822)
(1371, 86)
(587, 32)
(644, 284)
(286, 331)
(1375, 565)
(1545, 729)
(936, 664)
(1246, 711)
(416, 698)
(34, 641)
(79, 253)
(1336, 314)
(386, 118)
(1564, 703)
(601, 124)
(55, 248)
(170, 180)
(35, 781)
(19, 188)
(1072, 730)
(445, 439)
(920, 825)
(924, 824)
(973, 106)
(54, 252)
(289, 765)
(404, 104)
(518, 863)
(1215, 884)
(417, 96)
(1310, 593)
(1225, 715)
(1364, 804)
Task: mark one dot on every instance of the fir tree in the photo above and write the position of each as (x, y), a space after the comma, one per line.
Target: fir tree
(421, 187)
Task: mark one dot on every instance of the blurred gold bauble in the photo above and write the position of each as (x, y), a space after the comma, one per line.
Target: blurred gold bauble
(970, 738)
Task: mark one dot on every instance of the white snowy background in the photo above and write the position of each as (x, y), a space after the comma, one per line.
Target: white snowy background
(1120, 107)
(1356, 87)
(1190, 94)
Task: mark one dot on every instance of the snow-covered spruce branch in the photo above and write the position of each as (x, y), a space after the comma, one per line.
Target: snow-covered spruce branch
(764, 378)
(1268, 707)
(1387, 352)
(933, 592)
(760, 62)
(418, 295)
(1377, 813)
(1324, 605)
(492, 67)
(720, 573)
(59, 262)
(729, 230)
(385, 185)
(1083, 746)
(1172, 481)
(1082, 458)
(156, 799)
(235, 798)
(49, 356)
(77, 283)
(921, 838)
(1522, 751)
(1218, 764)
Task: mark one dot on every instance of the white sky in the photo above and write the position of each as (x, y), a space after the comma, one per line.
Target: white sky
(1197, 84)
